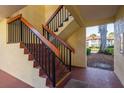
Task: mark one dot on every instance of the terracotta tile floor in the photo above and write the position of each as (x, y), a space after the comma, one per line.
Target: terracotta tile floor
(8, 81)
(97, 77)
(94, 76)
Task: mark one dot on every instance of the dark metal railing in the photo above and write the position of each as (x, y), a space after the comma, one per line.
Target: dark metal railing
(58, 18)
(44, 53)
(64, 48)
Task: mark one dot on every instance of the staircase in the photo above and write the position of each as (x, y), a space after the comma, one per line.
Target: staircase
(49, 53)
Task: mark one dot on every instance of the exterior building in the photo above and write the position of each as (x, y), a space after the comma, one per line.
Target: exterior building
(95, 42)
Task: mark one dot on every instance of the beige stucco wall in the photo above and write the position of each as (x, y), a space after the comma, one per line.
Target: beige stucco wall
(77, 41)
(14, 62)
(35, 14)
(3, 27)
(118, 57)
(49, 10)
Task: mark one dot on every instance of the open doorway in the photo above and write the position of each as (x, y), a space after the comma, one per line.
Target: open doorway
(100, 46)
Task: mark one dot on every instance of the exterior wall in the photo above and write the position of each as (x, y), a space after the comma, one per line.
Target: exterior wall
(91, 43)
(77, 41)
(118, 57)
(96, 43)
(14, 62)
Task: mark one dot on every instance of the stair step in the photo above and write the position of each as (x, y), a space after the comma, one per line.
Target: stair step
(49, 83)
(30, 57)
(42, 74)
(26, 51)
(36, 65)
(60, 68)
(22, 45)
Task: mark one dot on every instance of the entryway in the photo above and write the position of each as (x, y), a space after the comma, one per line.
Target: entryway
(100, 46)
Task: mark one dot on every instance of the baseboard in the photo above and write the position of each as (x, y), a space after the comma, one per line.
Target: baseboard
(78, 67)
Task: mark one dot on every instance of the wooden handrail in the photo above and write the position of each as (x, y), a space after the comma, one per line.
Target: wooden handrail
(52, 16)
(58, 38)
(48, 43)
(14, 18)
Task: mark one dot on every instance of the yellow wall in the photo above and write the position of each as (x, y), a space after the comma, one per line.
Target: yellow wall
(118, 57)
(3, 32)
(35, 14)
(77, 41)
(38, 15)
(49, 10)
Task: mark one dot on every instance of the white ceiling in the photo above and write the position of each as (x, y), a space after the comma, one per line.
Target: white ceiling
(8, 10)
(95, 12)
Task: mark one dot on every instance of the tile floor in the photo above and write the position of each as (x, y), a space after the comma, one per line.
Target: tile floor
(97, 77)
(8, 81)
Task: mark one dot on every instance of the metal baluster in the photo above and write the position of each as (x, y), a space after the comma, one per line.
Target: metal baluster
(36, 49)
(67, 15)
(54, 24)
(34, 45)
(66, 57)
(70, 60)
(21, 34)
(57, 25)
(39, 48)
(42, 51)
(61, 23)
(13, 32)
(64, 13)
(24, 35)
(53, 70)
(45, 59)
(49, 62)
(58, 19)
(61, 51)
(8, 33)
(18, 36)
(31, 42)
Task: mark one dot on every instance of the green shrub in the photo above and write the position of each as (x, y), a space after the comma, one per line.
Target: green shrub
(88, 51)
(110, 47)
(109, 51)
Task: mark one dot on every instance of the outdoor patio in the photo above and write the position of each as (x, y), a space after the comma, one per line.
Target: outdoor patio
(102, 61)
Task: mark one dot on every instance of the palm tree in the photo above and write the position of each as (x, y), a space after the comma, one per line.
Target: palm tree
(103, 35)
